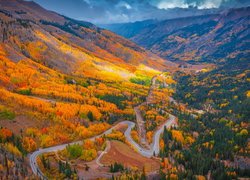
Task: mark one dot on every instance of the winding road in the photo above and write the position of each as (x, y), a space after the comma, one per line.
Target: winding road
(139, 118)
(153, 150)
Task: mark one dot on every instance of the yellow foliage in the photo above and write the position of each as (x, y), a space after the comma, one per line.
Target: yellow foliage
(224, 105)
(32, 132)
(92, 130)
(12, 149)
(117, 135)
(88, 155)
(46, 141)
(36, 49)
(177, 135)
(169, 80)
(248, 94)
(189, 140)
(244, 132)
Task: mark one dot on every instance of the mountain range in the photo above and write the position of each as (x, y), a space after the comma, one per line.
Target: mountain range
(208, 38)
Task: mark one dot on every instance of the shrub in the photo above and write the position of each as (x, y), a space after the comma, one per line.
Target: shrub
(7, 114)
(74, 151)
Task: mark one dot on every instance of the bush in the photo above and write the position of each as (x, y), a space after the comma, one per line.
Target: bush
(89, 154)
(116, 167)
(117, 100)
(143, 80)
(24, 91)
(7, 114)
(74, 151)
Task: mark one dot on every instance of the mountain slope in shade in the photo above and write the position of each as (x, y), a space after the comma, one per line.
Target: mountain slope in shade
(129, 30)
(209, 38)
(68, 45)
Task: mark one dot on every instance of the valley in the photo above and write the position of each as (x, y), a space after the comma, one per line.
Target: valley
(164, 99)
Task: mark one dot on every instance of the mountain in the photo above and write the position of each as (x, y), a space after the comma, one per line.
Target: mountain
(208, 38)
(129, 30)
(66, 44)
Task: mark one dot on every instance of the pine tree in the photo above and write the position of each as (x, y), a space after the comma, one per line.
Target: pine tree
(48, 164)
(7, 166)
(143, 176)
(111, 168)
(90, 116)
(60, 166)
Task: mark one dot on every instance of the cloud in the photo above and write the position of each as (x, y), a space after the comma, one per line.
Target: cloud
(200, 4)
(172, 4)
(210, 4)
(124, 4)
(118, 11)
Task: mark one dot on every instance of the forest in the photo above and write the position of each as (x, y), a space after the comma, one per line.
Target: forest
(214, 142)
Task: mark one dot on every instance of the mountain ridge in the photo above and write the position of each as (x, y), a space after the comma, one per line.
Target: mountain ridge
(184, 39)
(78, 37)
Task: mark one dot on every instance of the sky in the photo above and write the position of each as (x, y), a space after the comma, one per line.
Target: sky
(120, 11)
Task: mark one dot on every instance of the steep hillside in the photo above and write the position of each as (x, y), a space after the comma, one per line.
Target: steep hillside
(209, 38)
(66, 44)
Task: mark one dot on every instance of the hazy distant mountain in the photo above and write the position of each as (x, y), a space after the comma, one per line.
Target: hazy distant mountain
(210, 38)
(129, 30)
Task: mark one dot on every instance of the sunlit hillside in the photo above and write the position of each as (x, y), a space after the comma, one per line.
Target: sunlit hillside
(81, 102)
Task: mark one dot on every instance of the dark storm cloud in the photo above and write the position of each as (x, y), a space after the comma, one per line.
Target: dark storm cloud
(115, 11)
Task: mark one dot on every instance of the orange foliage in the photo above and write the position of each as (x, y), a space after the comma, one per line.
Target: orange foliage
(160, 119)
(92, 130)
(88, 144)
(5, 133)
(24, 101)
(99, 141)
(149, 136)
(67, 110)
(29, 144)
(134, 135)
(161, 144)
(89, 108)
